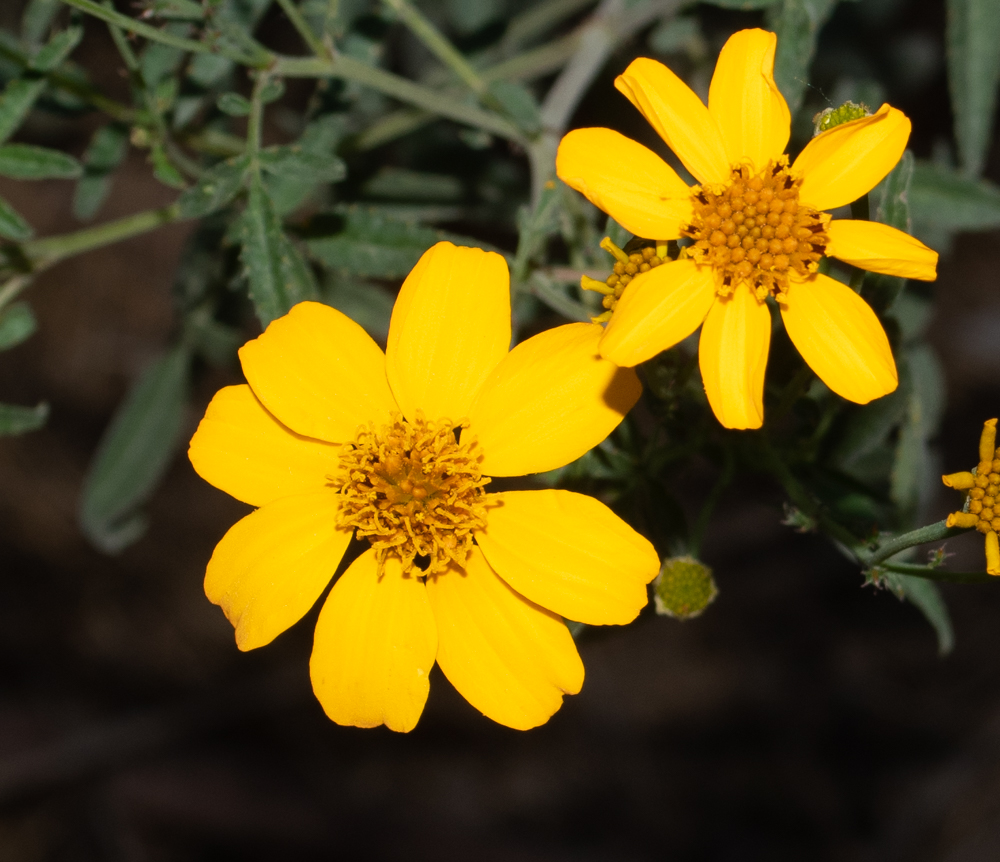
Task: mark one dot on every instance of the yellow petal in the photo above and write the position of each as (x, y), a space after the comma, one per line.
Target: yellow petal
(679, 117)
(965, 520)
(746, 103)
(375, 646)
(959, 481)
(880, 248)
(732, 355)
(840, 165)
(549, 401)
(840, 338)
(319, 373)
(658, 309)
(450, 327)
(270, 567)
(569, 553)
(626, 180)
(511, 659)
(988, 440)
(243, 450)
(992, 554)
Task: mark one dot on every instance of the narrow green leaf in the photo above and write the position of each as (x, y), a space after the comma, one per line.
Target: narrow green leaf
(893, 209)
(134, 453)
(20, 420)
(233, 104)
(182, 9)
(926, 597)
(367, 304)
(28, 162)
(942, 197)
(300, 164)
(215, 188)
(288, 191)
(17, 324)
(797, 24)
(159, 61)
(163, 168)
(972, 34)
(36, 18)
(279, 276)
(12, 226)
(16, 100)
(273, 90)
(106, 151)
(518, 103)
(403, 184)
(57, 49)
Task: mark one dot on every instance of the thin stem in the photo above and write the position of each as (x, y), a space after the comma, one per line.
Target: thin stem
(300, 24)
(437, 44)
(718, 489)
(940, 574)
(921, 536)
(540, 18)
(12, 289)
(796, 386)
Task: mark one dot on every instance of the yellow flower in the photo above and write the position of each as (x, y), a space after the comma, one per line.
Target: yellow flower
(982, 505)
(332, 436)
(757, 226)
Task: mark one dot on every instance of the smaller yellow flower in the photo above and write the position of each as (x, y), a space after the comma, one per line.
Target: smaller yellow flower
(333, 438)
(982, 507)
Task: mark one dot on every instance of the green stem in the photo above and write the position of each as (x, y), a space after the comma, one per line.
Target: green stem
(443, 104)
(940, 574)
(540, 18)
(931, 533)
(796, 386)
(437, 44)
(705, 515)
(300, 24)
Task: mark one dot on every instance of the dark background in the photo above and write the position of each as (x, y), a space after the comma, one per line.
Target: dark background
(802, 717)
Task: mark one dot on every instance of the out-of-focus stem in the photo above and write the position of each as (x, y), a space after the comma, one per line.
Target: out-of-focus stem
(300, 24)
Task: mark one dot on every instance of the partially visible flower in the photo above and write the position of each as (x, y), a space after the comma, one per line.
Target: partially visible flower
(334, 438)
(757, 228)
(982, 503)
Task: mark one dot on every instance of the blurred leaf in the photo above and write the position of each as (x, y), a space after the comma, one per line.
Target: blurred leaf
(972, 34)
(616, 233)
(57, 49)
(678, 34)
(20, 420)
(233, 104)
(215, 188)
(279, 275)
(797, 24)
(206, 70)
(159, 61)
(297, 163)
(12, 226)
(184, 9)
(320, 138)
(106, 151)
(28, 162)
(745, 5)
(926, 596)
(134, 454)
(16, 100)
(518, 103)
(892, 209)
(36, 18)
(367, 304)
(163, 168)
(869, 426)
(273, 90)
(942, 197)
(370, 244)
(17, 324)
(403, 184)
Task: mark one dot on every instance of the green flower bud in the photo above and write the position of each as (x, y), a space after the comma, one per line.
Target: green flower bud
(684, 588)
(831, 117)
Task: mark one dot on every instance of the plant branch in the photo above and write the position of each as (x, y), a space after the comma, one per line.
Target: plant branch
(931, 533)
(940, 574)
(300, 24)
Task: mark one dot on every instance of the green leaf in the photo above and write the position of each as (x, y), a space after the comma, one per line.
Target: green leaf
(279, 276)
(942, 197)
(182, 9)
(745, 5)
(403, 184)
(134, 453)
(518, 103)
(367, 304)
(216, 188)
(972, 34)
(57, 49)
(17, 324)
(20, 420)
(28, 162)
(106, 151)
(797, 24)
(273, 90)
(367, 243)
(36, 18)
(893, 209)
(12, 226)
(288, 191)
(16, 100)
(163, 168)
(158, 61)
(297, 163)
(233, 104)
(925, 595)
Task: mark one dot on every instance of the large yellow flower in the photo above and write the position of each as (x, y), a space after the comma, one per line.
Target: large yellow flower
(332, 436)
(757, 226)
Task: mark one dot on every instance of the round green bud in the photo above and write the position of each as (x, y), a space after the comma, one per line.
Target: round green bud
(831, 117)
(684, 588)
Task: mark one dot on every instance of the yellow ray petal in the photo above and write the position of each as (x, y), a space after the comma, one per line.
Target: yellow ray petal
(549, 401)
(243, 450)
(374, 648)
(965, 520)
(960, 481)
(840, 165)
(732, 355)
(450, 327)
(319, 373)
(988, 440)
(840, 338)
(746, 103)
(569, 553)
(270, 567)
(658, 309)
(511, 659)
(626, 180)
(992, 554)
(880, 248)
(679, 117)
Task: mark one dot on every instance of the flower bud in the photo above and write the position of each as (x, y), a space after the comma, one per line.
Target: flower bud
(684, 588)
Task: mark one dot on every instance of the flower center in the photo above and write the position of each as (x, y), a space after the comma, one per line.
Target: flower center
(627, 266)
(414, 491)
(984, 499)
(754, 230)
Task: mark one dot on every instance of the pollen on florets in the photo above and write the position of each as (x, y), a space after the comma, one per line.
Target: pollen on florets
(755, 230)
(626, 267)
(415, 491)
